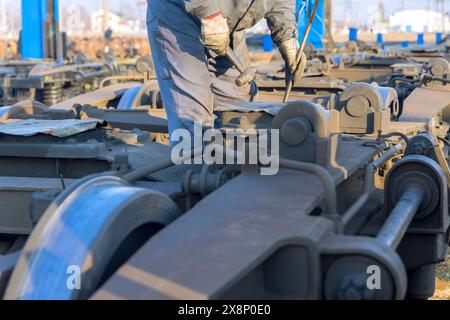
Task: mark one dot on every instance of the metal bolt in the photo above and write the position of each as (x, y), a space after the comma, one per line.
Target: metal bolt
(357, 106)
(354, 287)
(295, 131)
(419, 148)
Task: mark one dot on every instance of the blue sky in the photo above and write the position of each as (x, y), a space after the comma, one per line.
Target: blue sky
(136, 8)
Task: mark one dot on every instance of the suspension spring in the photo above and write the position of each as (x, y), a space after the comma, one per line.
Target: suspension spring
(52, 94)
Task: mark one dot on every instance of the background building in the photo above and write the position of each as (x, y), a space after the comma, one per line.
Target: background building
(419, 21)
(81, 18)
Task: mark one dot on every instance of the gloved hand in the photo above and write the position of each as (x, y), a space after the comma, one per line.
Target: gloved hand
(216, 33)
(289, 50)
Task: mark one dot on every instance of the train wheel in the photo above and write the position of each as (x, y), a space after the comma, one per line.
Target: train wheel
(146, 94)
(82, 239)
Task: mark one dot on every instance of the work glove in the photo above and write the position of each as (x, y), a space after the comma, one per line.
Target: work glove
(289, 50)
(216, 33)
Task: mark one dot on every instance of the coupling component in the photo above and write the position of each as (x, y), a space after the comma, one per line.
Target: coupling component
(362, 109)
(306, 133)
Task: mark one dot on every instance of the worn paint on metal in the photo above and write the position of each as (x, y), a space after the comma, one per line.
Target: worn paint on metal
(57, 128)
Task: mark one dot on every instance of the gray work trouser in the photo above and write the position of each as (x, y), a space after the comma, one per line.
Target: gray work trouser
(191, 82)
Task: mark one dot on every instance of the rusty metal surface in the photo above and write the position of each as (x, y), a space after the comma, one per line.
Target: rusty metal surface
(198, 255)
(56, 128)
(276, 96)
(317, 83)
(408, 128)
(425, 103)
(145, 119)
(52, 69)
(15, 201)
(361, 74)
(270, 108)
(98, 98)
(170, 267)
(220, 247)
(40, 163)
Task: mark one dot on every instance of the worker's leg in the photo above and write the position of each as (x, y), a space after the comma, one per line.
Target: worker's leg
(224, 74)
(181, 67)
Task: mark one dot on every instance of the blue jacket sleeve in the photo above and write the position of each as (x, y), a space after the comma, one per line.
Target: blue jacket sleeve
(282, 20)
(201, 8)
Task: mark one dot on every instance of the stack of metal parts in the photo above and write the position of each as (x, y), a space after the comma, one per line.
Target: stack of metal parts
(50, 83)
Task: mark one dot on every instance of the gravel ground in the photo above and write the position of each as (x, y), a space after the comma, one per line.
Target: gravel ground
(443, 281)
